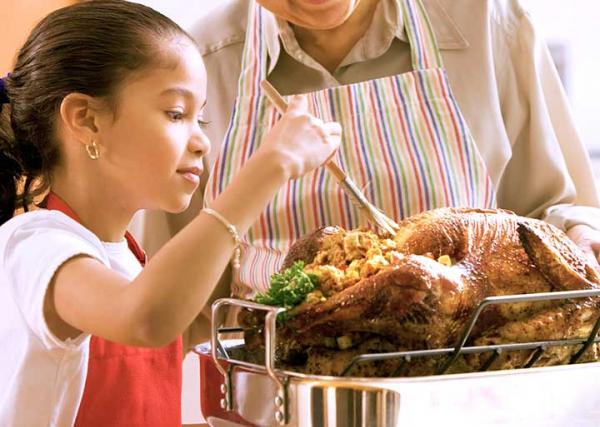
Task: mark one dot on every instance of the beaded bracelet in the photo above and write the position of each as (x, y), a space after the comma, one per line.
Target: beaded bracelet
(235, 261)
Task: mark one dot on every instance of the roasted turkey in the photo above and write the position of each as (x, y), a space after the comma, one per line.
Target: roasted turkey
(417, 291)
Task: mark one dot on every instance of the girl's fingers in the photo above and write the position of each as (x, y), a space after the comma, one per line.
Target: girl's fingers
(330, 132)
(297, 103)
(333, 128)
(328, 159)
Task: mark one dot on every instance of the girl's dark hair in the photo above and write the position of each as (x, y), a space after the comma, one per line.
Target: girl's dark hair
(89, 48)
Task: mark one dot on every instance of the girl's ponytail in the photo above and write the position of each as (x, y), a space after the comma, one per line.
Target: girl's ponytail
(10, 168)
(20, 163)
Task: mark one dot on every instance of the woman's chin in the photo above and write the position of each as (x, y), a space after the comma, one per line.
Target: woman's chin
(320, 25)
(325, 20)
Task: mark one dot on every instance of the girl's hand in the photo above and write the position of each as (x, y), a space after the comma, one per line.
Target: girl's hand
(300, 141)
(588, 240)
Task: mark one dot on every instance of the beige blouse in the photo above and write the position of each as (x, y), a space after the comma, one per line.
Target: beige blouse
(501, 74)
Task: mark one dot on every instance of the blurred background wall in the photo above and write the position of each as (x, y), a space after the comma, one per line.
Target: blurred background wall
(17, 18)
(572, 30)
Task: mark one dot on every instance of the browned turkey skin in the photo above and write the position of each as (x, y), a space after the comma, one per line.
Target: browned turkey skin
(417, 291)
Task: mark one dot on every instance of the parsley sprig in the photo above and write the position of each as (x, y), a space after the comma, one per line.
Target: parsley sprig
(289, 288)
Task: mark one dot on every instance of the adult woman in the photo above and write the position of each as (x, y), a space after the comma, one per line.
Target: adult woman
(501, 74)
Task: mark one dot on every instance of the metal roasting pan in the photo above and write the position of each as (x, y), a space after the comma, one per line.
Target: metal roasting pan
(235, 392)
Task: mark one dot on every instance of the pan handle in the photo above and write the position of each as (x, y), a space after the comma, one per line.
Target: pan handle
(281, 401)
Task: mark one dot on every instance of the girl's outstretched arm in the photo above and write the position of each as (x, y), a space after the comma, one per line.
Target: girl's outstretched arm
(177, 282)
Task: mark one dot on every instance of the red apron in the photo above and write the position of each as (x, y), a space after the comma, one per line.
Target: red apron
(128, 386)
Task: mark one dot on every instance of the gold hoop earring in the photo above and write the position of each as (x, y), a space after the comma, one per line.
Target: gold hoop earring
(92, 150)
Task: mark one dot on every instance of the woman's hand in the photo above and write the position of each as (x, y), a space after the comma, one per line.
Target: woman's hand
(301, 141)
(588, 240)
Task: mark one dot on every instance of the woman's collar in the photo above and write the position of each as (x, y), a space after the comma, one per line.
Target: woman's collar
(388, 21)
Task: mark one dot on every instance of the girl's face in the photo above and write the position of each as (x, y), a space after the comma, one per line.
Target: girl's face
(152, 146)
(312, 14)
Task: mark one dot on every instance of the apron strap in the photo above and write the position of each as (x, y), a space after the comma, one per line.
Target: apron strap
(254, 58)
(53, 202)
(424, 48)
(253, 71)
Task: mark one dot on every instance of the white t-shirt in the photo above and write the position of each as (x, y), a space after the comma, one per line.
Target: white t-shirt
(42, 377)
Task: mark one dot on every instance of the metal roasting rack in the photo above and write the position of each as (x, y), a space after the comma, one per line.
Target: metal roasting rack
(281, 378)
(453, 353)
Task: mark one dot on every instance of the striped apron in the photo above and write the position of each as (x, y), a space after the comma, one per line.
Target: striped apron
(404, 141)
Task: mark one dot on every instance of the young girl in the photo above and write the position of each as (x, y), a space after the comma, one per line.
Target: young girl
(104, 110)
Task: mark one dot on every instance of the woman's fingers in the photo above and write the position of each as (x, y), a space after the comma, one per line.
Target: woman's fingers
(588, 241)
